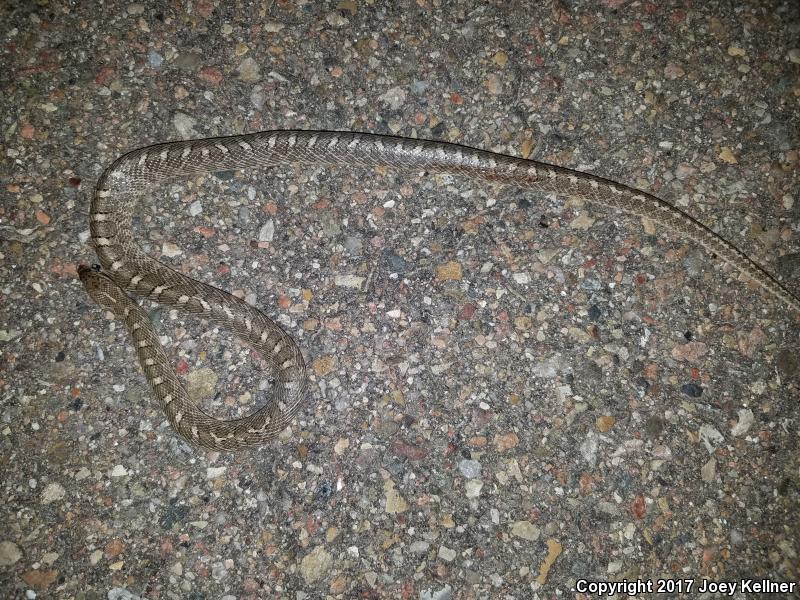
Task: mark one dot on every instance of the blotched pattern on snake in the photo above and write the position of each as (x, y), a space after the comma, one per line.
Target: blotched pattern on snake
(126, 267)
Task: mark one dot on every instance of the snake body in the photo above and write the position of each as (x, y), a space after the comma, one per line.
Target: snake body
(126, 267)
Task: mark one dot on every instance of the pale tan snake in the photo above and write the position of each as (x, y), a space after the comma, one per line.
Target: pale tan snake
(126, 266)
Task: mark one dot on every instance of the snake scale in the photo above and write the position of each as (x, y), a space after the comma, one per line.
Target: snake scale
(126, 267)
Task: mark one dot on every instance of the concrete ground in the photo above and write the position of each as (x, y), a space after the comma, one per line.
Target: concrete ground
(512, 395)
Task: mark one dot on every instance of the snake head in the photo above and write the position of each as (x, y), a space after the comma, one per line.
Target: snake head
(101, 288)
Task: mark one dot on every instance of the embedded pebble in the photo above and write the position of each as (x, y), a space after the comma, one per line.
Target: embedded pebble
(692, 390)
(315, 564)
(709, 471)
(184, 125)
(249, 70)
(9, 553)
(155, 59)
(710, 437)
(395, 503)
(53, 492)
(214, 472)
(447, 554)
(473, 488)
(745, 422)
(171, 250)
(119, 471)
(188, 61)
(267, 231)
(201, 383)
(219, 571)
(394, 97)
(349, 281)
(121, 594)
(526, 530)
(471, 469)
(445, 593)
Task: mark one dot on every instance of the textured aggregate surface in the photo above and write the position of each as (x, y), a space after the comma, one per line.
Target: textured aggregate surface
(510, 393)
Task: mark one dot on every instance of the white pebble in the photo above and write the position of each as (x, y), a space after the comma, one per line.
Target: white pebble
(522, 278)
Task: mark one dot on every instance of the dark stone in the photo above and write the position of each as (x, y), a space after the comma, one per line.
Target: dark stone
(224, 175)
(654, 426)
(396, 263)
(173, 514)
(788, 363)
(325, 490)
(692, 390)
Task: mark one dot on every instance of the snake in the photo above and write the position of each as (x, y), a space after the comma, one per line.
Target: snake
(125, 268)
